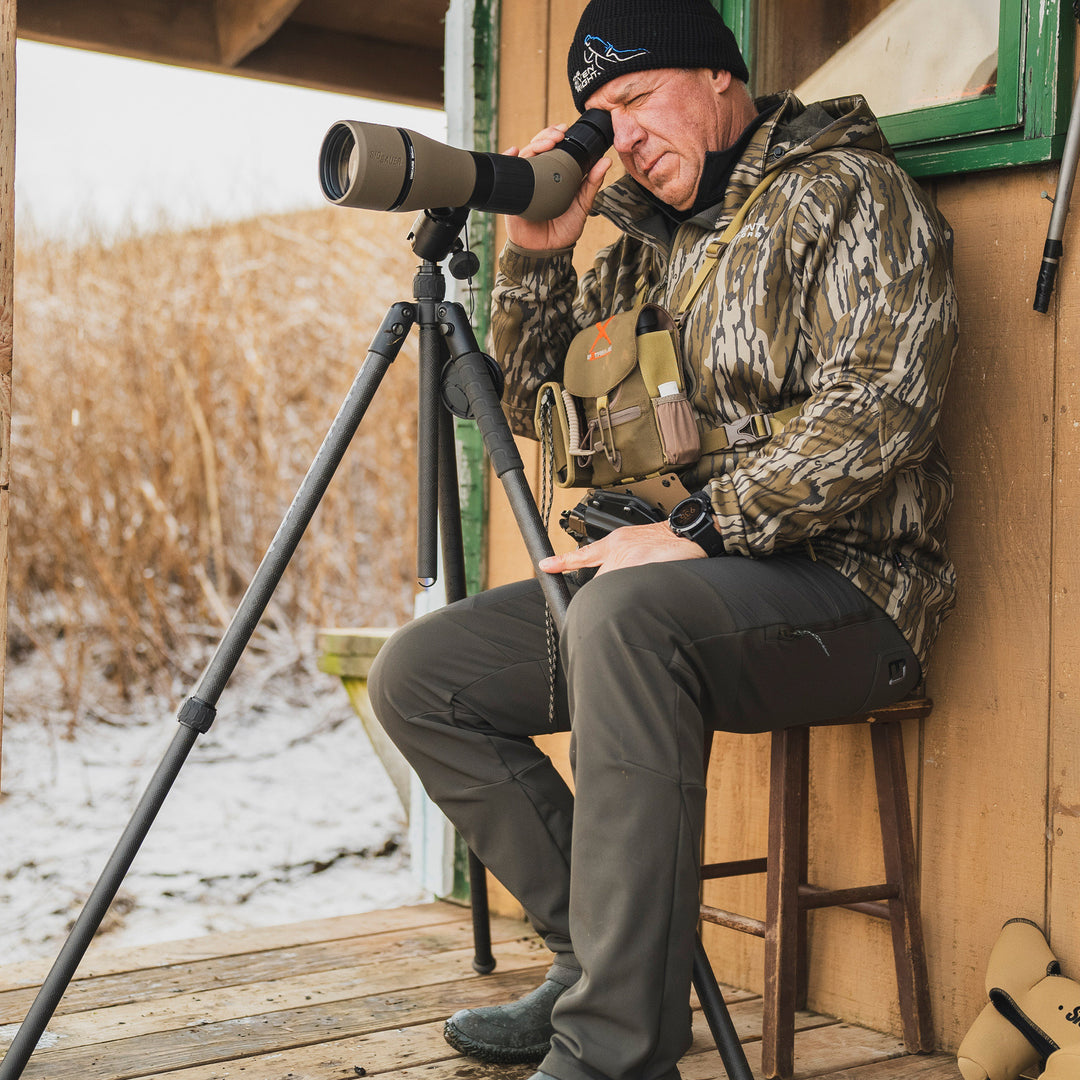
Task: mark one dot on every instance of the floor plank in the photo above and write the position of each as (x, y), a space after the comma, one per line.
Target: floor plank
(380, 1052)
(101, 960)
(184, 977)
(364, 995)
(236, 1001)
(263, 1033)
(915, 1067)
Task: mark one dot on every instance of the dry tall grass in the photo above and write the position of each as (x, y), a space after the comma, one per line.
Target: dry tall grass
(170, 393)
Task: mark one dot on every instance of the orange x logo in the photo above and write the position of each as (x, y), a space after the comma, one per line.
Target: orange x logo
(595, 352)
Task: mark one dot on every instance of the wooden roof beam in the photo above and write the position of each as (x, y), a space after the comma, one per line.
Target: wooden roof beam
(244, 25)
(174, 32)
(349, 64)
(184, 32)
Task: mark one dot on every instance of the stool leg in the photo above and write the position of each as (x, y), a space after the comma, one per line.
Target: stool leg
(802, 971)
(788, 797)
(898, 843)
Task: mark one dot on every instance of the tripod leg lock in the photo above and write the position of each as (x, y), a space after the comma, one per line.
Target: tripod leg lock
(197, 715)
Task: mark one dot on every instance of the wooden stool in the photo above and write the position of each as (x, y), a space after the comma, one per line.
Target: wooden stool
(789, 896)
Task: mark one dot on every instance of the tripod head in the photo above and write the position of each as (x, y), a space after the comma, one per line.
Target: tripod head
(435, 235)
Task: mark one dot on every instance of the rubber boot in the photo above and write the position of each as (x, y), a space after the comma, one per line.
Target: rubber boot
(508, 1034)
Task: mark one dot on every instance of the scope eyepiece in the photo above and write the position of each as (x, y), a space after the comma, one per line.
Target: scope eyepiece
(385, 168)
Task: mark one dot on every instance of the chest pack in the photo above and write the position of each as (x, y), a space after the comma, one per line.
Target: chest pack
(622, 411)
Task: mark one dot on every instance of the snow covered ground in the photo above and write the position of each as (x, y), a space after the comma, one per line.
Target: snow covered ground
(281, 813)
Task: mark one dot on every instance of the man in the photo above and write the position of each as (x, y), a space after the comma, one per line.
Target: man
(814, 588)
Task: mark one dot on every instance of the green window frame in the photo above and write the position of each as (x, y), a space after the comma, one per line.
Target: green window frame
(1022, 122)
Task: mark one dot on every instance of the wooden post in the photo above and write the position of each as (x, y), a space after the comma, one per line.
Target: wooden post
(7, 275)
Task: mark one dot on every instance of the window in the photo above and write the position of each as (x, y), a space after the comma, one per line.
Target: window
(958, 84)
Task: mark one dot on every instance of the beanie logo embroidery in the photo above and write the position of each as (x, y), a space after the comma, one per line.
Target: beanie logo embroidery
(598, 54)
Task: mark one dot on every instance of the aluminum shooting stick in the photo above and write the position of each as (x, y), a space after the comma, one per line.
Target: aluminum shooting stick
(1052, 249)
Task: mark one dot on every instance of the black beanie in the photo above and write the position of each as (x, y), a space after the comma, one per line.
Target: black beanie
(617, 36)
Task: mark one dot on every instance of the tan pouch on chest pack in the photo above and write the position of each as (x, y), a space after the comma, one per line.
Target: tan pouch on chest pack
(621, 412)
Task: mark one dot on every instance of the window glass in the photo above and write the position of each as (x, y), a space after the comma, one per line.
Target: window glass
(959, 85)
(901, 55)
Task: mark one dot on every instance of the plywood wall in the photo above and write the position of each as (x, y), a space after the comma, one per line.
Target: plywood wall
(985, 752)
(995, 772)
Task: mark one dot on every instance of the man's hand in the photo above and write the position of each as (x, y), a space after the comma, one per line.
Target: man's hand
(632, 545)
(563, 231)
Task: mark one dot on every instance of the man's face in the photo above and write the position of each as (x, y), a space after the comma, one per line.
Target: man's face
(667, 120)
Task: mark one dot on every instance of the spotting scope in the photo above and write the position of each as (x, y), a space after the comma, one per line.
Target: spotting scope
(389, 168)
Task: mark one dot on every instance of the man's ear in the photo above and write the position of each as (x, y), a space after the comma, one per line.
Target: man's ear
(721, 80)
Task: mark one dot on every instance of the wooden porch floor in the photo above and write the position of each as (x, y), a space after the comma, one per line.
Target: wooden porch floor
(355, 996)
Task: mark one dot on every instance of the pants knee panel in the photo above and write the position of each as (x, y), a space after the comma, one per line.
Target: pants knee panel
(396, 677)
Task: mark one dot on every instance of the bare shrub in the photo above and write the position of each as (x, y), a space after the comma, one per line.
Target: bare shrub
(170, 393)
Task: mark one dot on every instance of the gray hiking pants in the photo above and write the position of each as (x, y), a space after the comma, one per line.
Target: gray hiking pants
(649, 658)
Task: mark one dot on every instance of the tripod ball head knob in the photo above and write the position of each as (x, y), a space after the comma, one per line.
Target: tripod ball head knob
(464, 265)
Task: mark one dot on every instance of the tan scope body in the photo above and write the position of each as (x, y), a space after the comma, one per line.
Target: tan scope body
(377, 167)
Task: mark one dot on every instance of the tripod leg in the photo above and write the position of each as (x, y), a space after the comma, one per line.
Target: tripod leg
(454, 578)
(428, 445)
(484, 406)
(483, 958)
(716, 1013)
(486, 410)
(197, 713)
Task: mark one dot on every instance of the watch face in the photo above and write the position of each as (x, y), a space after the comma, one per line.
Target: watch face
(687, 514)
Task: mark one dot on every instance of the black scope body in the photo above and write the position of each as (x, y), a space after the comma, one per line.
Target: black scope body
(387, 168)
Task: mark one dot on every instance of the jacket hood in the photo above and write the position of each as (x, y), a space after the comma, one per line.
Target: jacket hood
(793, 132)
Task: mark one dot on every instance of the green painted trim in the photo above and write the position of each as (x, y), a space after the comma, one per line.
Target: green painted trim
(1002, 109)
(480, 236)
(461, 890)
(739, 14)
(1047, 94)
(976, 155)
(1049, 70)
(1022, 123)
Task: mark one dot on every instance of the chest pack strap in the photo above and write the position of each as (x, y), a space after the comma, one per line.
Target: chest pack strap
(717, 247)
(747, 430)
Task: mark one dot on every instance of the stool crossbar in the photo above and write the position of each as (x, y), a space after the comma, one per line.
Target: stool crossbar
(789, 896)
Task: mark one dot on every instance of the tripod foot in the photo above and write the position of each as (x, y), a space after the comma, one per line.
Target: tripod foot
(483, 966)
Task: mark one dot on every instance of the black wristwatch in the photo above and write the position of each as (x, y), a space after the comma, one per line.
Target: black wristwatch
(693, 518)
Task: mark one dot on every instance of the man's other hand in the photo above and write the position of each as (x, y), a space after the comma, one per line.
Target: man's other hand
(632, 545)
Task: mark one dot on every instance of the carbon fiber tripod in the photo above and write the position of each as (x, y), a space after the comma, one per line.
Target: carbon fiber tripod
(455, 378)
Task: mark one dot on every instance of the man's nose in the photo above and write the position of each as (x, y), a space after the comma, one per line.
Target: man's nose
(627, 132)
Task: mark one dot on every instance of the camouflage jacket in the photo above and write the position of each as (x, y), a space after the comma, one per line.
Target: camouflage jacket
(836, 294)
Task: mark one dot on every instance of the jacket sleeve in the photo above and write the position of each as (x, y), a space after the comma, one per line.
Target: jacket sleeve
(536, 309)
(532, 325)
(878, 312)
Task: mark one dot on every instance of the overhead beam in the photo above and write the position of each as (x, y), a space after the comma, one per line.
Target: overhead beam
(244, 25)
(184, 32)
(173, 31)
(346, 63)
